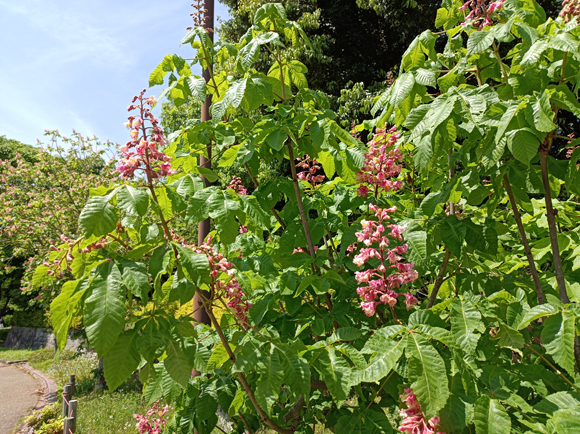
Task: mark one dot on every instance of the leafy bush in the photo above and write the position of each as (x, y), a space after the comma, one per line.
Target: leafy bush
(47, 420)
(4, 333)
(391, 277)
(34, 318)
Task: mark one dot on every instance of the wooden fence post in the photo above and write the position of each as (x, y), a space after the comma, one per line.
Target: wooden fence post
(72, 413)
(65, 397)
(73, 381)
(67, 425)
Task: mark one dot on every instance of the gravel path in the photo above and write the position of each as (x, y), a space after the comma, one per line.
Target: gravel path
(17, 396)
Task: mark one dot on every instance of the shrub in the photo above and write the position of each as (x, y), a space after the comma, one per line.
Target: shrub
(4, 333)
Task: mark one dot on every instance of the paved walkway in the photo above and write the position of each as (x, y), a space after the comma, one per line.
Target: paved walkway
(17, 396)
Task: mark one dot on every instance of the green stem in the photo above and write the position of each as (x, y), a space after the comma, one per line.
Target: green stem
(529, 256)
(560, 279)
(553, 367)
(281, 76)
(501, 65)
(439, 280)
(210, 70)
(299, 200)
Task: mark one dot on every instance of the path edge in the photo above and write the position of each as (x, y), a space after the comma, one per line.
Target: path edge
(48, 396)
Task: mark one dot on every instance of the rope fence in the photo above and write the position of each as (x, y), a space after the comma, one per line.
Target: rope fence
(69, 407)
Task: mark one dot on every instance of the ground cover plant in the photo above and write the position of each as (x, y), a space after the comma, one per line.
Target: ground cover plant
(425, 281)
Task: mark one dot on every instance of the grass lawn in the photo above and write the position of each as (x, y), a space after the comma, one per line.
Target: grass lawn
(10, 354)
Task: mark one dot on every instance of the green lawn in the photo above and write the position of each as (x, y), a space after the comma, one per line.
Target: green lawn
(10, 354)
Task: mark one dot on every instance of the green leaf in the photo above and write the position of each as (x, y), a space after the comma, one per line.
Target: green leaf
(350, 424)
(523, 144)
(558, 339)
(229, 156)
(335, 372)
(134, 201)
(567, 421)
(453, 234)
(534, 53)
(491, 417)
(465, 319)
(345, 334)
(259, 309)
(426, 370)
(537, 312)
(177, 364)
(271, 378)
(64, 307)
(154, 388)
(136, 279)
(425, 77)
(98, 217)
(195, 265)
(105, 310)
(377, 422)
(122, 360)
(417, 241)
(197, 87)
(218, 357)
(223, 210)
(159, 262)
(255, 212)
(276, 139)
(296, 371)
(387, 353)
(510, 338)
(543, 114)
(479, 41)
(402, 88)
(319, 133)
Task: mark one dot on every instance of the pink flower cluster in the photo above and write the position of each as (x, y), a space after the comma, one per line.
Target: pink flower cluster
(380, 289)
(480, 14)
(413, 418)
(229, 288)
(310, 167)
(380, 163)
(142, 152)
(237, 186)
(145, 425)
(570, 9)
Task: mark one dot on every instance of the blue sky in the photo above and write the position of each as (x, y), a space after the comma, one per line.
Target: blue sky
(76, 64)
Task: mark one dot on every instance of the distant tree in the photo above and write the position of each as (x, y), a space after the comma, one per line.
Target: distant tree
(58, 174)
(10, 147)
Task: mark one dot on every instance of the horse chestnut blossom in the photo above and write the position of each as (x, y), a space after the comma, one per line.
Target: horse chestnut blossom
(155, 425)
(310, 166)
(229, 287)
(237, 186)
(382, 284)
(480, 14)
(380, 164)
(570, 9)
(413, 417)
(142, 152)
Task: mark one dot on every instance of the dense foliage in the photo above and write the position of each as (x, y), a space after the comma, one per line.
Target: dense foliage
(426, 280)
